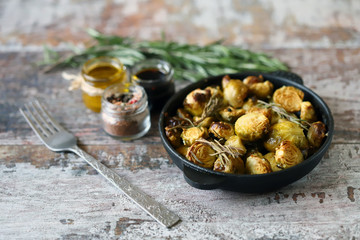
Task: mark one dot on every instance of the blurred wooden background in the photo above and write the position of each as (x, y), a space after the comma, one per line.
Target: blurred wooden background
(254, 24)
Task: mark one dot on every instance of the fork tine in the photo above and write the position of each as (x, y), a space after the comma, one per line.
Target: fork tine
(40, 113)
(33, 114)
(53, 122)
(32, 124)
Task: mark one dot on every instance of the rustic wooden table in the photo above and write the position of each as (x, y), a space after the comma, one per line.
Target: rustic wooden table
(47, 195)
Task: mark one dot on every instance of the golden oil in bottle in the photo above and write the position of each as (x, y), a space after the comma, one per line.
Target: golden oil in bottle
(99, 73)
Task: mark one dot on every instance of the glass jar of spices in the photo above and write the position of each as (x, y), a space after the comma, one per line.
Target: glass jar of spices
(124, 111)
(99, 73)
(156, 76)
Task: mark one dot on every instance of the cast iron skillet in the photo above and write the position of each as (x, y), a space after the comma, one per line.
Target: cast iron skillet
(203, 178)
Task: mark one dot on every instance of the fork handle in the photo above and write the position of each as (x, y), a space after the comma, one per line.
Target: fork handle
(160, 213)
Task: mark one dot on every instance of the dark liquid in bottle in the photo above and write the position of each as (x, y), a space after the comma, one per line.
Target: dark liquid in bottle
(158, 91)
(151, 74)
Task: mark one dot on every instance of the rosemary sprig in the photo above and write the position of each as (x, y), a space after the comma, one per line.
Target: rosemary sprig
(190, 62)
(195, 157)
(284, 114)
(182, 125)
(222, 150)
(215, 102)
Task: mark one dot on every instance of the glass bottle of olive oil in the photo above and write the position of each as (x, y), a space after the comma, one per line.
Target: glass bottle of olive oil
(99, 73)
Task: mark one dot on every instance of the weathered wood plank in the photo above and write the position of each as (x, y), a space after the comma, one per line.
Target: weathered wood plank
(57, 195)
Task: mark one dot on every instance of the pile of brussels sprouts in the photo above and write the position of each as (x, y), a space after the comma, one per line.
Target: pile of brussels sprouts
(245, 127)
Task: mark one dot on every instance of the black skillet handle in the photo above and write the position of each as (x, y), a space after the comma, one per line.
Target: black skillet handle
(202, 180)
(288, 75)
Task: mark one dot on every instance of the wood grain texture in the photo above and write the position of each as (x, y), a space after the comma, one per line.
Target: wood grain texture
(47, 195)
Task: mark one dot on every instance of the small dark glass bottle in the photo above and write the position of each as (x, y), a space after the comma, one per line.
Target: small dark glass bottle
(156, 77)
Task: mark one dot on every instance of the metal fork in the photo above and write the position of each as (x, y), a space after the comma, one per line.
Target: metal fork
(56, 138)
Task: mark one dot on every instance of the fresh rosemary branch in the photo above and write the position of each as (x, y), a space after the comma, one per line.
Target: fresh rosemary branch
(284, 114)
(190, 62)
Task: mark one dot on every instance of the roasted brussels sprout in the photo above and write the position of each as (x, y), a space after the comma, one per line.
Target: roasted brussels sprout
(252, 126)
(222, 130)
(250, 80)
(196, 100)
(275, 117)
(229, 164)
(190, 135)
(215, 92)
(235, 91)
(258, 87)
(235, 143)
(285, 130)
(182, 113)
(287, 155)
(266, 111)
(201, 154)
(249, 103)
(231, 114)
(270, 157)
(307, 112)
(316, 134)
(225, 81)
(290, 98)
(182, 150)
(174, 135)
(206, 122)
(176, 122)
(257, 164)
